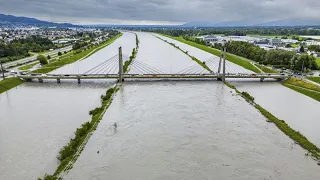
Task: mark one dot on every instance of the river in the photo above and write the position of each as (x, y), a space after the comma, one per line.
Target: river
(37, 120)
(187, 130)
(166, 130)
(212, 60)
(299, 111)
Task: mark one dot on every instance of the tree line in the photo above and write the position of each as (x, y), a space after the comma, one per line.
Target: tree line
(237, 31)
(276, 57)
(21, 47)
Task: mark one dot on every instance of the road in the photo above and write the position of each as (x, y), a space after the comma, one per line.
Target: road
(33, 58)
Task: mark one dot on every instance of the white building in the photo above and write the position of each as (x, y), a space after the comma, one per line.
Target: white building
(275, 42)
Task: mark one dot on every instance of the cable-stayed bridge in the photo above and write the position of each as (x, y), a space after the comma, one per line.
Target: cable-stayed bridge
(112, 68)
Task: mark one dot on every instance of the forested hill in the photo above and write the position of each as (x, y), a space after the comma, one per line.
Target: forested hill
(9, 20)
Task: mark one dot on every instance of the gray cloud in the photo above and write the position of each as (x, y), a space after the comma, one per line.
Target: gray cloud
(160, 11)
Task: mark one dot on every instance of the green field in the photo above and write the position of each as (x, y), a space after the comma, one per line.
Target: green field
(318, 61)
(9, 83)
(266, 69)
(229, 57)
(315, 79)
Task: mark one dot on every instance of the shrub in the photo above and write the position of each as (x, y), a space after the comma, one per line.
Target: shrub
(42, 59)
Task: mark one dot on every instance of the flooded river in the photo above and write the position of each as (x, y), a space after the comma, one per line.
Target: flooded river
(166, 130)
(37, 120)
(299, 111)
(188, 130)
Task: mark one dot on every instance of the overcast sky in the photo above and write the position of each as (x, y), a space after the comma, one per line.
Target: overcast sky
(160, 11)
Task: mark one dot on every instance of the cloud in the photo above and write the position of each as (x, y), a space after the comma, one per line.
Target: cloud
(160, 11)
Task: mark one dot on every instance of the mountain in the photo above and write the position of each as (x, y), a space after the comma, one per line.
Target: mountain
(292, 22)
(255, 22)
(10, 20)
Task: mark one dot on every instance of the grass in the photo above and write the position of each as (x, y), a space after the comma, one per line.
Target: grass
(312, 94)
(69, 153)
(315, 79)
(283, 126)
(28, 66)
(9, 83)
(43, 52)
(75, 57)
(132, 57)
(294, 135)
(230, 57)
(192, 57)
(266, 69)
(301, 83)
(318, 62)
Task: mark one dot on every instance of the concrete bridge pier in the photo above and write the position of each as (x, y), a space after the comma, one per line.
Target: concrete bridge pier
(79, 81)
(58, 80)
(261, 79)
(40, 80)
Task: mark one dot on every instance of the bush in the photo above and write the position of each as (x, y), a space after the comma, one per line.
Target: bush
(42, 59)
(59, 53)
(248, 96)
(48, 57)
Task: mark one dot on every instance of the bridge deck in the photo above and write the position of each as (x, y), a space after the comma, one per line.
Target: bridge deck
(147, 76)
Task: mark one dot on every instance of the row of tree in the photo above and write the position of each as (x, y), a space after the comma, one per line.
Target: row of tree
(240, 31)
(79, 45)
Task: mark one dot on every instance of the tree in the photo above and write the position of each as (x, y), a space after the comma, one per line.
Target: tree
(59, 53)
(301, 49)
(42, 59)
(48, 57)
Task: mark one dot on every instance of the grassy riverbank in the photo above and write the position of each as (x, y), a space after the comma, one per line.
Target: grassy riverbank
(9, 83)
(301, 83)
(315, 79)
(312, 94)
(266, 69)
(69, 153)
(186, 52)
(132, 57)
(75, 57)
(282, 125)
(230, 57)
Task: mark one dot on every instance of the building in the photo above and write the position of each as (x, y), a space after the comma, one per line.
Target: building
(275, 42)
(208, 38)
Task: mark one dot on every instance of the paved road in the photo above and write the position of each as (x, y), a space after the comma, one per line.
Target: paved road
(33, 58)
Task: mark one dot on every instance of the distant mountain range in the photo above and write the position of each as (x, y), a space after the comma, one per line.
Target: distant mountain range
(9, 20)
(283, 22)
(13, 21)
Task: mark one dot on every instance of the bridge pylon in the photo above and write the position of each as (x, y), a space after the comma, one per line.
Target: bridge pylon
(224, 65)
(120, 65)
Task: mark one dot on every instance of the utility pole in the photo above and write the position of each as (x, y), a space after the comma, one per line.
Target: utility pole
(2, 70)
(224, 65)
(120, 65)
